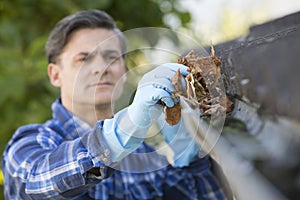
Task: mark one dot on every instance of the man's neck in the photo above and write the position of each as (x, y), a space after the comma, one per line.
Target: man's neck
(91, 114)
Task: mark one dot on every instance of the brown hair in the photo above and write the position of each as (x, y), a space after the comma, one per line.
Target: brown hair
(62, 32)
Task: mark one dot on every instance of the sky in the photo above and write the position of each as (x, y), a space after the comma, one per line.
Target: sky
(209, 21)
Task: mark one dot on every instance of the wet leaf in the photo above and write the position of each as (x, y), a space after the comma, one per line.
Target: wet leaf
(173, 114)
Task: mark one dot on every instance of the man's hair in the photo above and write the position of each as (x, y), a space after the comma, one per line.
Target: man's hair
(63, 30)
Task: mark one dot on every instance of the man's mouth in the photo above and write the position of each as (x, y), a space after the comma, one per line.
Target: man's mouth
(101, 83)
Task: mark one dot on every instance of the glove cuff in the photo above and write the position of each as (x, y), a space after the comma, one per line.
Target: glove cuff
(189, 154)
(122, 135)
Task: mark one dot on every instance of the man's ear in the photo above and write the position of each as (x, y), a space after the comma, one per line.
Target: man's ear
(54, 74)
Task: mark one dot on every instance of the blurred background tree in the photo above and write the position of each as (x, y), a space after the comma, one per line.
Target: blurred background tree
(26, 94)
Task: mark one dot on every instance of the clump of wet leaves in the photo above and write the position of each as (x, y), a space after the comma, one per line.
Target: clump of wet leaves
(202, 87)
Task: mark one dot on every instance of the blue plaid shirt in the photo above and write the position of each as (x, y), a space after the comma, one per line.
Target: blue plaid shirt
(51, 160)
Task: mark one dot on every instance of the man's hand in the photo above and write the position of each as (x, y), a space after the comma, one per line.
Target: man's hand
(155, 86)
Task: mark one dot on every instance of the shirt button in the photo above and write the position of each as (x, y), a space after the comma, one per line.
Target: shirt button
(104, 159)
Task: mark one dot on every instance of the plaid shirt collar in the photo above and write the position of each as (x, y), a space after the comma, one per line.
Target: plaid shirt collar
(71, 126)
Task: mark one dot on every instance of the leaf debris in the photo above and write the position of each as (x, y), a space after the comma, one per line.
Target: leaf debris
(202, 87)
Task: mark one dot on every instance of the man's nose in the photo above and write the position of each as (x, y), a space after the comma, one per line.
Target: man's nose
(100, 65)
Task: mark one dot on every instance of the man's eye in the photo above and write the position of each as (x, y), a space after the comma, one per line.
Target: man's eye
(84, 58)
(112, 58)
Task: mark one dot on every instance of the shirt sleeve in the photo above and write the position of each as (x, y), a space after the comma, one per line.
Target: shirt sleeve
(38, 163)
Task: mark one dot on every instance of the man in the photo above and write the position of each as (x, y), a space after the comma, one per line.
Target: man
(88, 152)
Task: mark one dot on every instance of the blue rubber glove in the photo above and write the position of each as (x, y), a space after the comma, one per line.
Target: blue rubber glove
(180, 141)
(153, 87)
(127, 130)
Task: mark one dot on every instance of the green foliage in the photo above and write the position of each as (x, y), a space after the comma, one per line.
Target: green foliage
(26, 94)
(1, 185)
(1, 178)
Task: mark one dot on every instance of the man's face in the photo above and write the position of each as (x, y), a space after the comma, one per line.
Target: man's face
(90, 66)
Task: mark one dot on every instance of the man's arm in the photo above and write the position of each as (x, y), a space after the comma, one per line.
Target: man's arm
(40, 164)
